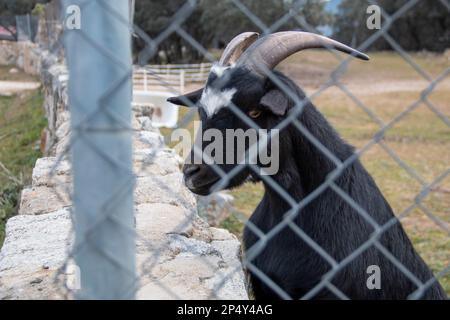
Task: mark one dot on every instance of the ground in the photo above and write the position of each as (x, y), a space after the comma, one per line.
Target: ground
(387, 85)
(22, 119)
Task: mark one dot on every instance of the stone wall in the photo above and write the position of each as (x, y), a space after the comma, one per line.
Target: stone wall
(179, 255)
(25, 55)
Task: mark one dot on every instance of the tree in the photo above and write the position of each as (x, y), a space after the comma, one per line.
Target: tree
(213, 23)
(155, 16)
(9, 9)
(426, 26)
(18, 7)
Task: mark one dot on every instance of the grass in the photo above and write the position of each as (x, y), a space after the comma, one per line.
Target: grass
(387, 86)
(5, 75)
(22, 119)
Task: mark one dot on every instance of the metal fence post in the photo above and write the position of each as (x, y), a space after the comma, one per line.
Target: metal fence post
(182, 74)
(144, 73)
(99, 61)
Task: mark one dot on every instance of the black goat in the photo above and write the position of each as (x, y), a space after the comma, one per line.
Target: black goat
(331, 222)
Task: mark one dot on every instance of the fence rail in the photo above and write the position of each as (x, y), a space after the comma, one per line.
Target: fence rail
(170, 75)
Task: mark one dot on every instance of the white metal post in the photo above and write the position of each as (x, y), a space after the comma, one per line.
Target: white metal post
(182, 74)
(100, 88)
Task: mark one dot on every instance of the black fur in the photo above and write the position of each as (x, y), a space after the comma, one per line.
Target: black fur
(328, 219)
(331, 222)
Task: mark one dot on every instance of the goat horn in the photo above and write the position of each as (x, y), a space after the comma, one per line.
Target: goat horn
(272, 49)
(237, 46)
(230, 55)
(188, 99)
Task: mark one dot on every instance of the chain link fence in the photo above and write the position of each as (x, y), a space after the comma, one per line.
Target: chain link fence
(18, 28)
(105, 174)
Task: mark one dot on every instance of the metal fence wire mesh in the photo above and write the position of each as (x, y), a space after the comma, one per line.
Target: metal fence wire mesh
(104, 177)
(26, 27)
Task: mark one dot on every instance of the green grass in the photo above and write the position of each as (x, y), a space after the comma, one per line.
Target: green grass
(22, 119)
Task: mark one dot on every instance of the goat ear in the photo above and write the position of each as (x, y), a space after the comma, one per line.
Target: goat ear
(188, 99)
(276, 102)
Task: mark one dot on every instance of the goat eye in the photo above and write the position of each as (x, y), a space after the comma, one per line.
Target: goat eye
(254, 113)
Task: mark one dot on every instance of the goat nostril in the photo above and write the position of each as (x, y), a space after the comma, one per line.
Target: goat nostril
(191, 170)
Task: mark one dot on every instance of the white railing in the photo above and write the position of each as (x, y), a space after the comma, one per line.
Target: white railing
(172, 76)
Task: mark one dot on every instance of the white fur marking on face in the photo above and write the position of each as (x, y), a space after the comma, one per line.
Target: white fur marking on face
(218, 69)
(213, 100)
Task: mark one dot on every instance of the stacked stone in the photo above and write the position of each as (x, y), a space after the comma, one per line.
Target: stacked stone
(179, 255)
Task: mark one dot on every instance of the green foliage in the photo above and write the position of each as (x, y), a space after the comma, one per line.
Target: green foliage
(9, 201)
(18, 7)
(21, 122)
(39, 9)
(214, 23)
(425, 26)
(233, 224)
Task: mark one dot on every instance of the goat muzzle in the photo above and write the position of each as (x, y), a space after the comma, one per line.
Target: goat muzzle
(199, 178)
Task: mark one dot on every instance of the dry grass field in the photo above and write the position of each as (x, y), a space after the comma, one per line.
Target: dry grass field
(387, 85)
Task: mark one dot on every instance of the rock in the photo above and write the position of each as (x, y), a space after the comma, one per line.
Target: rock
(9, 52)
(163, 189)
(178, 254)
(13, 71)
(142, 123)
(216, 264)
(147, 140)
(172, 279)
(62, 130)
(221, 234)
(175, 220)
(32, 257)
(36, 250)
(34, 241)
(230, 250)
(191, 261)
(49, 172)
(143, 110)
(156, 162)
(195, 259)
(146, 123)
(62, 147)
(39, 200)
(215, 207)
